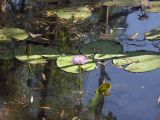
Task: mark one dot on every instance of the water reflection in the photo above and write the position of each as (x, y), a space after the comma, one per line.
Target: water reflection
(47, 93)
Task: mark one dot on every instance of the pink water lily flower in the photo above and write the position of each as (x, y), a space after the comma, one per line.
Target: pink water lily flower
(79, 59)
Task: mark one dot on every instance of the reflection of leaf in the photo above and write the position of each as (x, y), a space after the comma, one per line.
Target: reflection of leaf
(103, 49)
(104, 89)
(37, 53)
(65, 63)
(5, 53)
(68, 13)
(139, 61)
(15, 33)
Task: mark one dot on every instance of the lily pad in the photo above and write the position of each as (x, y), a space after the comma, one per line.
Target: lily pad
(65, 62)
(129, 3)
(15, 33)
(47, 1)
(139, 61)
(5, 53)
(103, 49)
(154, 6)
(153, 34)
(4, 40)
(35, 54)
(104, 89)
(78, 13)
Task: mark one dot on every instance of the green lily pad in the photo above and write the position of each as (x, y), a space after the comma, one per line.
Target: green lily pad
(4, 40)
(15, 33)
(153, 34)
(104, 89)
(155, 6)
(47, 1)
(5, 53)
(3, 37)
(36, 53)
(78, 13)
(129, 3)
(103, 49)
(65, 63)
(139, 61)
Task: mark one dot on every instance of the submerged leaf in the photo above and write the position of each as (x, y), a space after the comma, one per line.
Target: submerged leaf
(65, 62)
(15, 33)
(103, 49)
(139, 61)
(35, 54)
(98, 99)
(5, 53)
(104, 89)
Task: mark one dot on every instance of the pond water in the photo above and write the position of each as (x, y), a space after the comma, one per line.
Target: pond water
(47, 93)
(134, 96)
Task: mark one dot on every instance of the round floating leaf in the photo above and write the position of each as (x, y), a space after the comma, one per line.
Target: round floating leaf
(103, 49)
(104, 89)
(65, 62)
(47, 1)
(78, 13)
(15, 33)
(139, 61)
(129, 3)
(35, 54)
(154, 6)
(4, 40)
(153, 34)
(5, 53)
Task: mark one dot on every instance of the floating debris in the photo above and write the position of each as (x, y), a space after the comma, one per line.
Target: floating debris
(159, 100)
(134, 36)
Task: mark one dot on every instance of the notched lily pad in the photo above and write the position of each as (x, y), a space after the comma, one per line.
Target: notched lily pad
(65, 62)
(139, 61)
(104, 89)
(78, 13)
(103, 49)
(153, 34)
(35, 54)
(15, 33)
(129, 3)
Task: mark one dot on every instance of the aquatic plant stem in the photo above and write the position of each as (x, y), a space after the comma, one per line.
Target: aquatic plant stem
(80, 90)
(80, 78)
(107, 16)
(80, 84)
